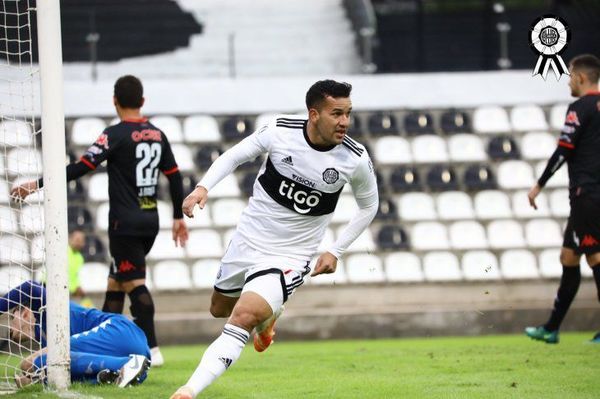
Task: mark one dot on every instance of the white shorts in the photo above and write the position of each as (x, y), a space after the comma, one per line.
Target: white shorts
(274, 278)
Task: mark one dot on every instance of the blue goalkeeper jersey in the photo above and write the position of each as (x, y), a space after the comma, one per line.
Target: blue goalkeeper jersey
(33, 296)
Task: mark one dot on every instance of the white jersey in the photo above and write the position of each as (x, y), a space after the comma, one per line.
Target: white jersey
(297, 187)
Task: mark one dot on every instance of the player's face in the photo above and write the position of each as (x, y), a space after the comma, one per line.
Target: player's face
(77, 240)
(575, 82)
(333, 119)
(22, 325)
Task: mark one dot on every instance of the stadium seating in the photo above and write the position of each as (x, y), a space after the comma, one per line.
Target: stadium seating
(236, 128)
(505, 234)
(455, 121)
(392, 237)
(480, 265)
(24, 161)
(442, 178)
(94, 277)
(441, 266)
(364, 268)
(170, 125)
(405, 178)
(171, 275)
(94, 249)
(537, 145)
(464, 147)
(206, 155)
(559, 203)
(164, 247)
(86, 130)
(387, 210)
(503, 147)
(204, 272)
(10, 276)
(417, 206)
(479, 177)
(518, 264)
(201, 129)
(98, 187)
(522, 209)
(492, 204)
(79, 218)
(528, 117)
(557, 116)
(467, 234)
(429, 149)
(515, 174)
(403, 267)
(383, 124)
(428, 236)
(490, 120)
(549, 264)
(15, 134)
(416, 123)
(453, 206)
(390, 150)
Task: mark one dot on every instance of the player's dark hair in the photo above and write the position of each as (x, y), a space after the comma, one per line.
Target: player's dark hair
(129, 92)
(587, 64)
(326, 88)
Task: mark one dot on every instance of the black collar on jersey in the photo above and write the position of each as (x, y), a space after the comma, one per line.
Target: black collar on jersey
(322, 148)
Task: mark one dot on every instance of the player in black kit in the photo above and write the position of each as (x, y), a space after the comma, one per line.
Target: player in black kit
(579, 146)
(135, 151)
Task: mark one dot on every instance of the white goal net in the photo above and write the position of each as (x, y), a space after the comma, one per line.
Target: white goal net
(22, 224)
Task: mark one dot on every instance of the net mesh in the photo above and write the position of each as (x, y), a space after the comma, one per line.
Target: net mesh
(21, 223)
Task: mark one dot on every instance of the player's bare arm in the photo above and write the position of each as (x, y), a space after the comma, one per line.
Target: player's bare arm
(180, 232)
(198, 196)
(532, 195)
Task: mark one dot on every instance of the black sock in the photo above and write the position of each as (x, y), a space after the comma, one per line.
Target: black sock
(569, 284)
(596, 271)
(142, 310)
(113, 302)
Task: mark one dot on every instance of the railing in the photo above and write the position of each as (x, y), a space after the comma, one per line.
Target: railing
(363, 19)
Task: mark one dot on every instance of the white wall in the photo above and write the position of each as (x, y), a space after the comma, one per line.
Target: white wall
(371, 92)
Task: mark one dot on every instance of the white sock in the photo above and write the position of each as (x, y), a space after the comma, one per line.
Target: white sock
(222, 353)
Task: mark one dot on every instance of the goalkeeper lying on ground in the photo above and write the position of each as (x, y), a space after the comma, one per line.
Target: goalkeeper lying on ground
(105, 347)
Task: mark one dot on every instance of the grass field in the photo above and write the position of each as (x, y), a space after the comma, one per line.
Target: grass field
(509, 366)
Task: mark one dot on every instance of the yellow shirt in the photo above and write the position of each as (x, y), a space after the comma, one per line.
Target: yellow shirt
(75, 261)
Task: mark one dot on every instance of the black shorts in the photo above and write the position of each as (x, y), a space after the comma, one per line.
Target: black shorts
(582, 233)
(128, 256)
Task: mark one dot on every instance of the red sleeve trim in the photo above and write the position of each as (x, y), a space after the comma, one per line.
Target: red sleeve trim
(566, 145)
(88, 163)
(170, 171)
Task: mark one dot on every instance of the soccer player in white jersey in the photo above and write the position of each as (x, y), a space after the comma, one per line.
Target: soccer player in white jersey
(294, 197)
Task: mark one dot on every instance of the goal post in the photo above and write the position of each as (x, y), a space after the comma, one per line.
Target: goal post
(55, 191)
(33, 233)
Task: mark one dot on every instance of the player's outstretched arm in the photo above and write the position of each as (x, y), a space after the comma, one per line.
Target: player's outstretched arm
(326, 264)
(198, 196)
(180, 232)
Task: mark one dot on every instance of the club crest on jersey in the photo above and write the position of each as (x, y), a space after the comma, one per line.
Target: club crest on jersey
(102, 141)
(330, 175)
(572, 118)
